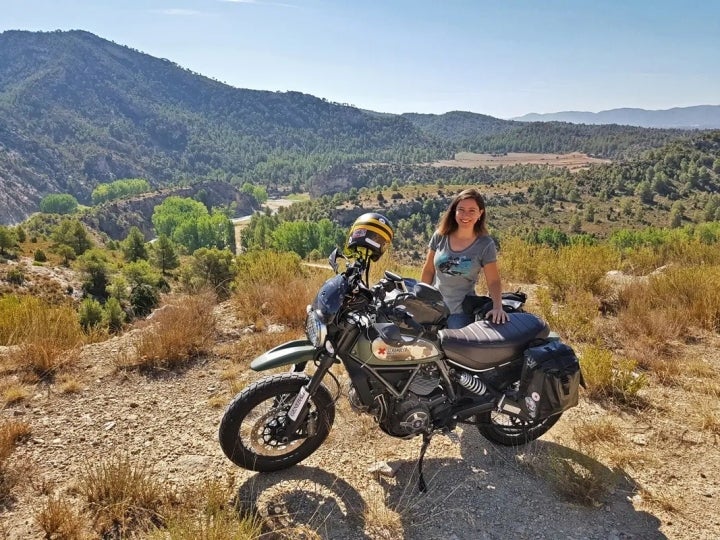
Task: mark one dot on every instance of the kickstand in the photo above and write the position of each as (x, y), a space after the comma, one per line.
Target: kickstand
(422, 487)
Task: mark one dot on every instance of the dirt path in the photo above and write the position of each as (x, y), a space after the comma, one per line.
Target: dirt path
(475, 490)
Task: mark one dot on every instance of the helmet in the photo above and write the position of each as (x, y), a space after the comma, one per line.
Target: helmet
(370, 235)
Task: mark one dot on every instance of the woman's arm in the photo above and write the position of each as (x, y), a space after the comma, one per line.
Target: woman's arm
(494, 285)
(428, 271)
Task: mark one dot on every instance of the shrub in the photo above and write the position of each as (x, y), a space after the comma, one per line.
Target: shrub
(607, 376)
(662, 308)
(577, 268)
(40, 256)
(90, 314)
(274, 285)
(143, 299)
(113, 315)
(180, 331)
(214, 268)
(15, 276)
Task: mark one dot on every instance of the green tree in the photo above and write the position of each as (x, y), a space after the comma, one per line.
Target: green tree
(645, 193)
(210, 267)
(94, 264)
(677, 213)
(58, 204)
(164, 255)
(140, 272)
(188, 223)
(119, 189)
(113, 315)
(173, 212)
(7, 239)
(67, 253)
(133, 247)
(90, 314)
(72, 233)
(575, 224)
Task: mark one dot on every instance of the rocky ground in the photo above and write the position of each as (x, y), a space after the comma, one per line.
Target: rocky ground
(475, 490)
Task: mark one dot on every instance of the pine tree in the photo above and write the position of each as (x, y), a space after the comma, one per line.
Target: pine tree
(164, 255)
(133, 247)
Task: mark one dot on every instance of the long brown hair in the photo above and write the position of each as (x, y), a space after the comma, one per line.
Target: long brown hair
(448, 223)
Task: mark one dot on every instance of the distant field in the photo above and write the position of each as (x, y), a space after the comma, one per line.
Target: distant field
(573, 161)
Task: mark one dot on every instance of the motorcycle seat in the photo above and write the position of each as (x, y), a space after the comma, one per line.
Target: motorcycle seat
(484, 345)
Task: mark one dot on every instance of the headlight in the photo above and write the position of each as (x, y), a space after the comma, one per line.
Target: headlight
(315, 329)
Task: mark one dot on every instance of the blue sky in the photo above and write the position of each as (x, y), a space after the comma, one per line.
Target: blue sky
(504, 58)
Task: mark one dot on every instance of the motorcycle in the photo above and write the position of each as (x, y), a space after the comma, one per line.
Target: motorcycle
(413, 375)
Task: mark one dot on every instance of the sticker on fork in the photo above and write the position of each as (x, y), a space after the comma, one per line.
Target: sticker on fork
(298, 404)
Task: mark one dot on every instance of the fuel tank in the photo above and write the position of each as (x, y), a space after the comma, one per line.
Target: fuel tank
(377, 352)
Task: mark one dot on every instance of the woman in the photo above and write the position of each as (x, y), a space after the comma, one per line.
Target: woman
(459, 249)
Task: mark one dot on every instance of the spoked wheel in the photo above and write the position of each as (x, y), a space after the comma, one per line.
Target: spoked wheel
(252, 431)
(510, 430)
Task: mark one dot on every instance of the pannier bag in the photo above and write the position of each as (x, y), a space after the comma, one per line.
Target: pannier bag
(550, 379)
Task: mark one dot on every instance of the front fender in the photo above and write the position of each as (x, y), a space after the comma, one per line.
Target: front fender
(289, 353)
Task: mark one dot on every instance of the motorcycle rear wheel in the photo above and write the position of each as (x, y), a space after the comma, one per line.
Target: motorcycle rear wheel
(509, 430)
(249, 430)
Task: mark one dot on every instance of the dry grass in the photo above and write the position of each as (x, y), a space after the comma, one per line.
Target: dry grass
(577, 269)
(609, 377)
(275, 286)
(46, 337)
(204, 512)
(123, 496)
(249, 346)
(382, 522)
(658, 500)
(11, 432)
(707, 416)
(67, 384)
(180, 331)
(574, 320)
(15, 393)
(665, 307)
(582, 481)
(59, 518)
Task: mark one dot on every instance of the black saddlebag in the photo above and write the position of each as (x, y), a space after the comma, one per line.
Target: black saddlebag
(550, 379)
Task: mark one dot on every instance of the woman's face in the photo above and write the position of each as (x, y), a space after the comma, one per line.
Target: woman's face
(467, 213)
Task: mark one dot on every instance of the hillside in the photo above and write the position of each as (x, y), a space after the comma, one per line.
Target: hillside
(697, 117)
(77, 110)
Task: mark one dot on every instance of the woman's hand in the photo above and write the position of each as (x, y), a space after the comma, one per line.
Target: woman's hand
(497, 315)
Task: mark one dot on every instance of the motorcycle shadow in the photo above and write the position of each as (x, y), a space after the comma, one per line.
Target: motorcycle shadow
(541, 490)
(304, 503)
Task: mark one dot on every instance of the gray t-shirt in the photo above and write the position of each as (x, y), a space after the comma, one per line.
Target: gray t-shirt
(456, 272)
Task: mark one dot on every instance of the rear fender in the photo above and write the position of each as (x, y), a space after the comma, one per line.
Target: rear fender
(298, 351)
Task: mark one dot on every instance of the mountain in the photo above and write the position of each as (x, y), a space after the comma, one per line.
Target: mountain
(697, 117)
(77, 110)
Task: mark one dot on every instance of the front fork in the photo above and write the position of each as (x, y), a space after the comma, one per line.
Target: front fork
(299, 409)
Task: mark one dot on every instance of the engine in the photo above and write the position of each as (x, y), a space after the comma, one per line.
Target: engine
(408, 418)
(410, 415)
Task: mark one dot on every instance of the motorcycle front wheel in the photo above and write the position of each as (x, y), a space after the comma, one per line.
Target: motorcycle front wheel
(252, 428)
(510, 430)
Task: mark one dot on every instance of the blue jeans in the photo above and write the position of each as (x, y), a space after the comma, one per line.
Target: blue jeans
(459, 320)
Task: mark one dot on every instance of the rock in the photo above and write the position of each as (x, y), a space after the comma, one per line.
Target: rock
(382, 468)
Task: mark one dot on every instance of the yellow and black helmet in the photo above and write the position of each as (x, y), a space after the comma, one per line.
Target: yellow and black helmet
(369, 236)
